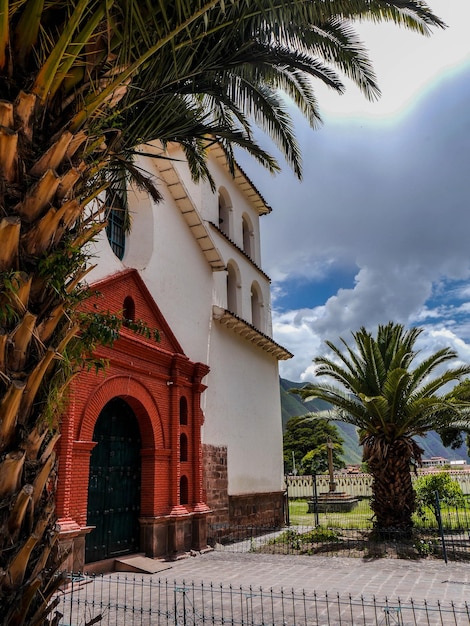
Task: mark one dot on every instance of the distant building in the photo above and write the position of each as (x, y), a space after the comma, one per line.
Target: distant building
(458, 464)
(434, 461)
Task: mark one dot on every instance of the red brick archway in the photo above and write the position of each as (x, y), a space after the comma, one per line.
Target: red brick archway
(137, 396)
(158, 382)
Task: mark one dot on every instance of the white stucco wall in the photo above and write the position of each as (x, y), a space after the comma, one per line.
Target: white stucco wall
(242, 408)
(180, 279)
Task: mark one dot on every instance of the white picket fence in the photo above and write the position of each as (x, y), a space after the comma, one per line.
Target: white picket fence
(357, 485)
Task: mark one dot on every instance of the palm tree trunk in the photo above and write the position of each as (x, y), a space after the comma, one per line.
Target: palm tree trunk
(393, 497)
(41, 205)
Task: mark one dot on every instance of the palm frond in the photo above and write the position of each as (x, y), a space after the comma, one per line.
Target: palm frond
(449, 376)
(397, 400)
(326, 367)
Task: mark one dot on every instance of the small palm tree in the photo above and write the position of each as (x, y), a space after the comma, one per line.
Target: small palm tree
(390, 402)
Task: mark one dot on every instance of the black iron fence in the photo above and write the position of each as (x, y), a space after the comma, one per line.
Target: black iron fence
(351, 533)
(350, 542)
(444, 534)
(123, 600)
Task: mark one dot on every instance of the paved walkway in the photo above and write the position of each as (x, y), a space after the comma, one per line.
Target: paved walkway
(421, 580)
(254, 589)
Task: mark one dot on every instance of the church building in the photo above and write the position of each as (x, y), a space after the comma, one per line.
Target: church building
(179, 440)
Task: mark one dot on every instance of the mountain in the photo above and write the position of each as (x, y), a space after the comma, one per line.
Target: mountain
(292, 405)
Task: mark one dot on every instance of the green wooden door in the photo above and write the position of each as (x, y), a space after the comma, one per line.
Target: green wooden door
(114, 484)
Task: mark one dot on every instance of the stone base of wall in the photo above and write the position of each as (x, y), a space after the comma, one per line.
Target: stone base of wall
(72, 545)
(229, 512)
(174, 535)
(168, 536)
(257, 509)
(215, 485)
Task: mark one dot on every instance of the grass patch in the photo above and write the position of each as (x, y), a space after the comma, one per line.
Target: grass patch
(311, 541)
(361, 517)
(452, 519)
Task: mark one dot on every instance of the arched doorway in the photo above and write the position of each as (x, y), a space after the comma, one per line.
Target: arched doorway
(114, 484)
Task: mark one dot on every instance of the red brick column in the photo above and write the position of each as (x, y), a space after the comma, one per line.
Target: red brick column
(80, 475)
(156, 498)
(198, 421)
(65, 455)
(175, 395)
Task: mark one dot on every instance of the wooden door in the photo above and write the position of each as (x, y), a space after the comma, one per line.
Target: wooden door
(114, 484)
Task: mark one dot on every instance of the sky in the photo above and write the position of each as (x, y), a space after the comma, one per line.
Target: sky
(379, 228)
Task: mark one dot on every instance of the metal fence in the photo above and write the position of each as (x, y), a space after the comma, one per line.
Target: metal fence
(123, 600)
(350, 542)
(351, 533)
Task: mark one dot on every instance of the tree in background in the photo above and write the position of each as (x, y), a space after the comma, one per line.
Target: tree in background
(449, 492)
(306, 441)
(390, 402)
(84, 85)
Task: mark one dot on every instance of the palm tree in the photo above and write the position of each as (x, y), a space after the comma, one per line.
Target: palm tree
(390, 402)
(82, 83)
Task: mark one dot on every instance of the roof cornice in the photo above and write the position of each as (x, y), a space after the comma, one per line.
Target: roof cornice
(190, 213)
(243, 181)
(250, 333)
(240, 250)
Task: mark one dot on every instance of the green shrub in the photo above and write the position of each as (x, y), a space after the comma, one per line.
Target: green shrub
(296, 540)
(320, 534)
(425, 547)
(426, 487)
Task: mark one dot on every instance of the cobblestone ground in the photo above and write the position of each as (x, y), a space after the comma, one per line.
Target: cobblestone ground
(423, 579)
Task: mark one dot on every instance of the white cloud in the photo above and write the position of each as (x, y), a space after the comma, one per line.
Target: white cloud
(405, 63)
(386, 198)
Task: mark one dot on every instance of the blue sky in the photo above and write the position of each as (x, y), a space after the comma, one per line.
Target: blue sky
(379, 228)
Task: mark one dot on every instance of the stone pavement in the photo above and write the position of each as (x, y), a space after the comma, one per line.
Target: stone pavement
(421, 580)
(252, 589)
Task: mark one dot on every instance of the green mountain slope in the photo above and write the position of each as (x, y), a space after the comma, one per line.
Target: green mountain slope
(293, 406)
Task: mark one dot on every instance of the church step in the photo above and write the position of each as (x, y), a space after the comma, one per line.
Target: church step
(140, 564)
